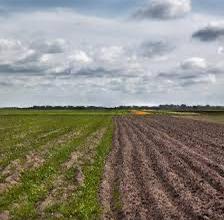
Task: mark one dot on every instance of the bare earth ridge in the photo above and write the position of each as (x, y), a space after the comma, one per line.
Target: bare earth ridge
(163, 167)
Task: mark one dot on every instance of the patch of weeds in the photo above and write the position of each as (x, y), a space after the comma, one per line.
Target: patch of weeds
(71, 173)
(24, 211)
(52, 209)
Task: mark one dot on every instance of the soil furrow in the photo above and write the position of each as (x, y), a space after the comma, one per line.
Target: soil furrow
(202, 160)
(173, 185)
(139, 166)
(130, 189)
(193, 184)
(163, 171)
(200, 142)
(154, 188)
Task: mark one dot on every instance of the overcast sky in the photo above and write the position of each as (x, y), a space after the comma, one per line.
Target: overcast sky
(100, 52)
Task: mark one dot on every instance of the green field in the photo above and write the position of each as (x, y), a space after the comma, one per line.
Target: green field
(52, 161)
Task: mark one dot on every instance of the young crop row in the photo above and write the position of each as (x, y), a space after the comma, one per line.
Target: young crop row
(51, 165)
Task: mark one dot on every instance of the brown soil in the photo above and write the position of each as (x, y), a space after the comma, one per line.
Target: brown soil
(163, 167)
(4, 215)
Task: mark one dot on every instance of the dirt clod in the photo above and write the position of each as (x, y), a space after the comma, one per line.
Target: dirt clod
(4, 215)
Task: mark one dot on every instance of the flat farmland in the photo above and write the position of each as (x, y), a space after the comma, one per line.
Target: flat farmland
(164, 167)
(110, 165)
(52, 162)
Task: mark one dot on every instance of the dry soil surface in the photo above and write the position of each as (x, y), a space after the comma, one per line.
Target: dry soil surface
(163, 167)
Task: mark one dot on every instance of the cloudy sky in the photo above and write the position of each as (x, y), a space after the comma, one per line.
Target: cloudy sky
(100, 52)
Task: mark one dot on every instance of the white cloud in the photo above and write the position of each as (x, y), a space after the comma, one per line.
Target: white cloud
(192, 71)
(220, 50)
(81, 57)
(194, 63)
(165, 9)
(7, 44)
(50, 46)
(110, 54)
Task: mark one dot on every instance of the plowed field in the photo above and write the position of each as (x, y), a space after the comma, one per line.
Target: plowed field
(163, 167)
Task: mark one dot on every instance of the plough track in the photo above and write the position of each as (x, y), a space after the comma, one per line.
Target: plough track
(163, 172)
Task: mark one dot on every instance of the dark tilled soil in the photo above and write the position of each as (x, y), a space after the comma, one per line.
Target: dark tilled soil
(163, 167)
